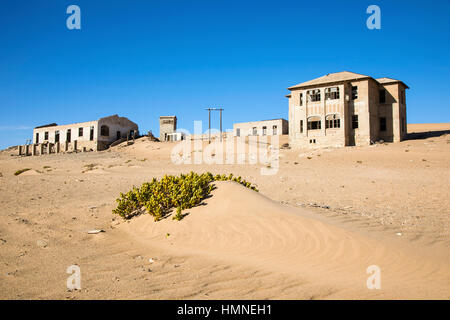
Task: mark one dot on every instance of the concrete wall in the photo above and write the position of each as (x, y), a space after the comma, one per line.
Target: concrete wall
(82, 141)
(299, 135)
(246, 128)
(119, 127)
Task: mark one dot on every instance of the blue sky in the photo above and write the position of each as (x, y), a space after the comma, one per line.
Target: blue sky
(143, 58)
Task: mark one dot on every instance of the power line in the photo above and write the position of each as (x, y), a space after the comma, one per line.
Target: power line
(209, 122)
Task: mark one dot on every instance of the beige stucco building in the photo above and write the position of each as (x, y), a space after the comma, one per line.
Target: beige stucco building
(346, 109)
(261, 128)
(93, 135)
(168, 128)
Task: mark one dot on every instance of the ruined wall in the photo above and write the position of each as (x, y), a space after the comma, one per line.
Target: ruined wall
(84, 135)
(360, 107)
(118, 127)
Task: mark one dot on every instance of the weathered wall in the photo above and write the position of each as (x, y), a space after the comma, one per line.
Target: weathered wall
(246, 128)
(84, 138)
(119, 127)
(63, 129)
(300, 113)
(167, 124)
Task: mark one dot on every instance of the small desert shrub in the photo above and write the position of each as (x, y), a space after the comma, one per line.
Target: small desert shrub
(178, 216)
(90, 166)
(21, 171)
(183, 192)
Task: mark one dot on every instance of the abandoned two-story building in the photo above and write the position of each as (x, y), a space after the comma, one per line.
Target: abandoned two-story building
(93, 135)
(346, 109)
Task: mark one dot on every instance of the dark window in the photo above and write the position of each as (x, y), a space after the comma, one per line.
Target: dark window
(382, 124)
(238, 132)
(255, 131)
(355, 121)
(332, 93)
(37, 137)
(332, 121)
(301, 126)
(68, 135)
(80, 132)
(104, 131)
(301, 99)
(274, 128)
(91, 134)
(264, 130)
(56, 136)
(46, 135)
(354, 92)
(383, 96)
(118, 135)
(314, 95)
(314, 123)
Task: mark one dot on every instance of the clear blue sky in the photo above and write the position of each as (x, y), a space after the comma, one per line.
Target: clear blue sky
(144, 58)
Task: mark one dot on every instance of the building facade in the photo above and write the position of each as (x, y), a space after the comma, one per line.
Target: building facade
(346, 109)
(261, 128)
(90, 136)
(167, 126)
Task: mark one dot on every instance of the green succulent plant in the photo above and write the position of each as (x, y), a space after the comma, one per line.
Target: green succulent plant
(183, 192)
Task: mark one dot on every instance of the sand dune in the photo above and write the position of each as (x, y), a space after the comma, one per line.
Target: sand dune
(240, 226)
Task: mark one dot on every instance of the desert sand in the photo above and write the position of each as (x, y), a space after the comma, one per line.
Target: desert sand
(310, 233)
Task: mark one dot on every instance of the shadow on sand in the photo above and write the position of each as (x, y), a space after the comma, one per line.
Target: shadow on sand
(426, 135)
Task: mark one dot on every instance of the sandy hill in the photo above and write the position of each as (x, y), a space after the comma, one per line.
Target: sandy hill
(311, 232)
(241, 226)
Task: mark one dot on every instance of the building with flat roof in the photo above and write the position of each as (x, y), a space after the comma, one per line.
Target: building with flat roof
(346, 109)
(92, 135)
(261, 128)
(167, 128)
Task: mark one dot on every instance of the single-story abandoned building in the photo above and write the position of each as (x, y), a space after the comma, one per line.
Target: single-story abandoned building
(346, 109)
(93, 135)
(261, 128)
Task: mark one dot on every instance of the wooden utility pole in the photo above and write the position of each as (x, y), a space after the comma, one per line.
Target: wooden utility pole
(209, 123)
